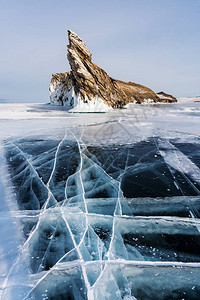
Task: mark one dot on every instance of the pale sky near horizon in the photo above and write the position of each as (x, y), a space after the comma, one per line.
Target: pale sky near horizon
(151, 42)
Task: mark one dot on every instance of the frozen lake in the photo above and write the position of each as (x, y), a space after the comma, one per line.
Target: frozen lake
(100, 206)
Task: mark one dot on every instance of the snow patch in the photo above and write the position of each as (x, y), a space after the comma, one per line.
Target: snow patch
(96, 104)
(178, 161)
(163, 97)
(148, 101)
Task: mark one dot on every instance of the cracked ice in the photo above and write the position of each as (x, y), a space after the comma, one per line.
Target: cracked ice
(102, 209)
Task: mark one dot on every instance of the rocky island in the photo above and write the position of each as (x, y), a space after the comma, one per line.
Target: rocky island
(87, 87)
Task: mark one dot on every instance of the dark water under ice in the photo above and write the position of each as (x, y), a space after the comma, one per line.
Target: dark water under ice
(100, 200)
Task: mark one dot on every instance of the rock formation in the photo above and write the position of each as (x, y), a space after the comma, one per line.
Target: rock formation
(87, 83)
(166, 97)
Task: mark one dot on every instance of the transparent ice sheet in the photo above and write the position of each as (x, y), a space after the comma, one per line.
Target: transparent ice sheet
(105, 210)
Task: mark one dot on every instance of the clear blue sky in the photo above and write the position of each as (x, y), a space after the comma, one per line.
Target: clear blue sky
(152, 42)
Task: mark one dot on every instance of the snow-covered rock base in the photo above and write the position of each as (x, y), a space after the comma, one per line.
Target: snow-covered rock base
(75, 103)
(96, 104)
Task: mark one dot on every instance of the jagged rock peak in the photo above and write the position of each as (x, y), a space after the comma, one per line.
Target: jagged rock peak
(76, 43)
(88, 86)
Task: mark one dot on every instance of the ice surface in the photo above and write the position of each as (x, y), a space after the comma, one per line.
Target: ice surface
(100, 206)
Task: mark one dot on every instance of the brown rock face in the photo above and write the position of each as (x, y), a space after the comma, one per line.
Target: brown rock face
(89, 81)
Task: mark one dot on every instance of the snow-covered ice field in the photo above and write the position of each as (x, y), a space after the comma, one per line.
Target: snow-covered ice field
(100, 206)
